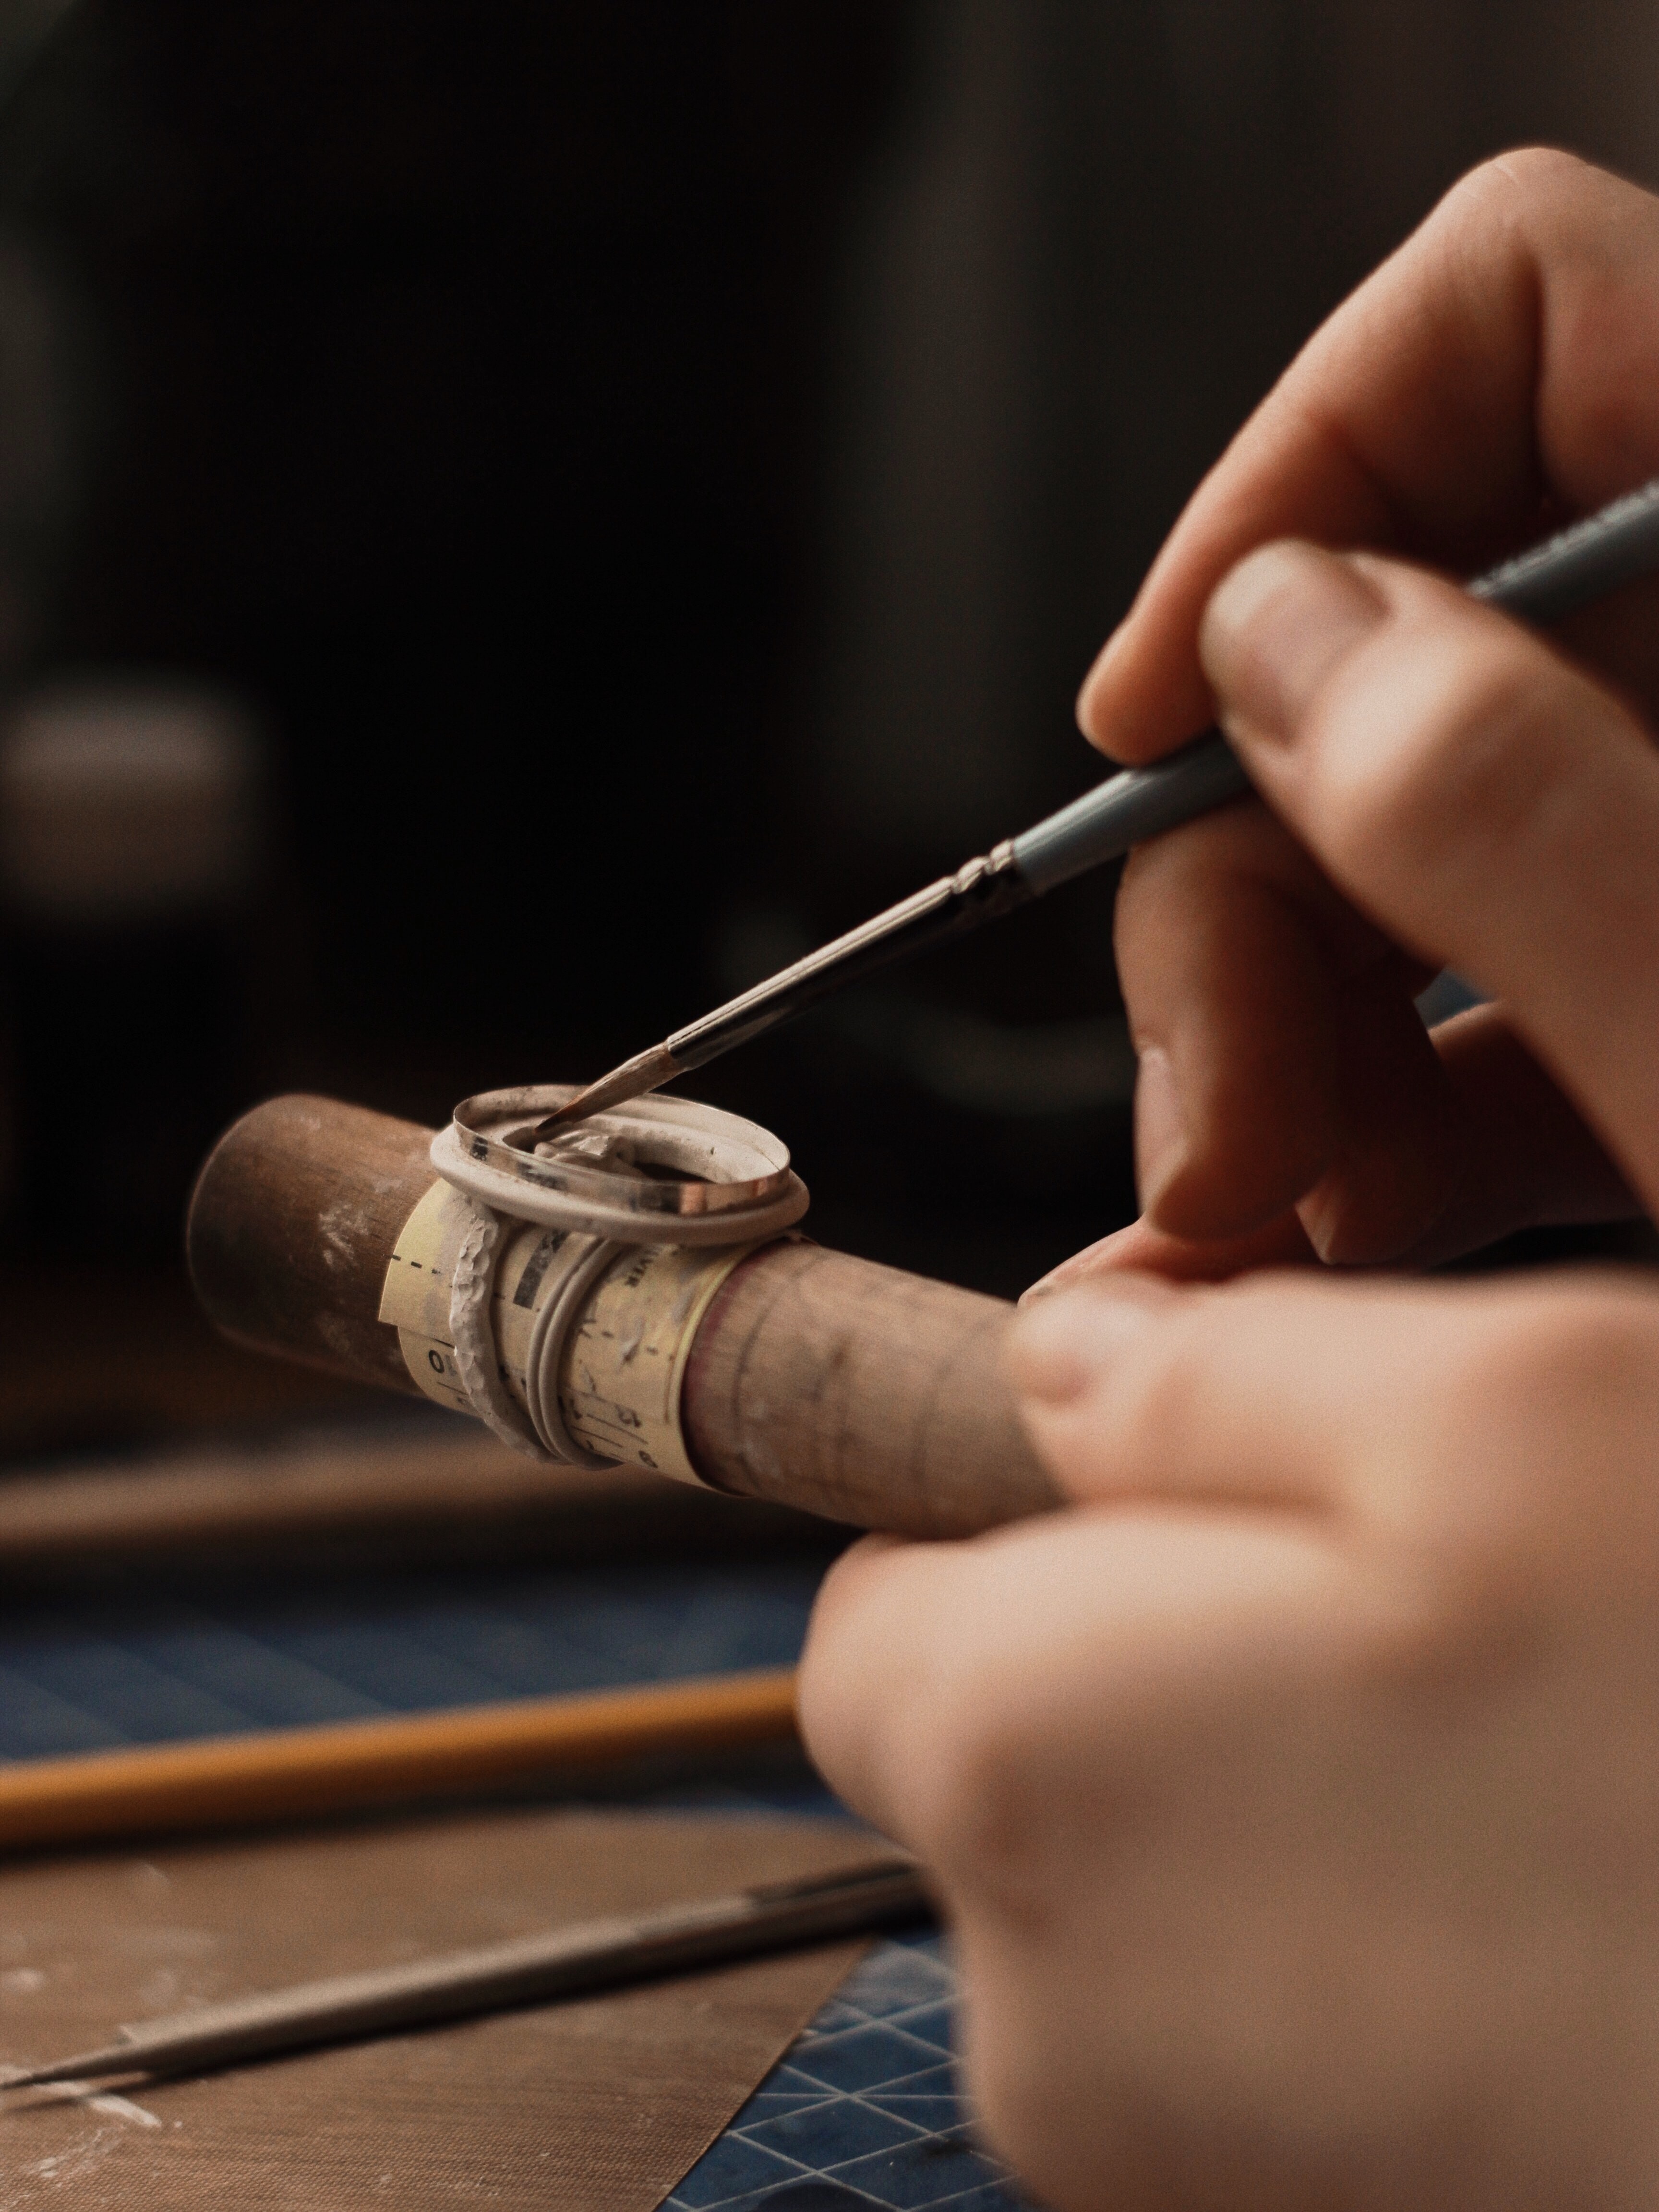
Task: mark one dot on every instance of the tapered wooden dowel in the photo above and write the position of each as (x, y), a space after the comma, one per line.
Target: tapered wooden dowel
(290, 1773)
(818, 1381)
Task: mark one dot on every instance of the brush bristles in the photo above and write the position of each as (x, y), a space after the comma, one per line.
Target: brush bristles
(644, 1073)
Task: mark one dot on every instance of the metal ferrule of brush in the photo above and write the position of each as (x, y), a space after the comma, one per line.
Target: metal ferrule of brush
(991, 884)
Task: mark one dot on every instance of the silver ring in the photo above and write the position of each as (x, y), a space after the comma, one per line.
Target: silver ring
(683, 1173)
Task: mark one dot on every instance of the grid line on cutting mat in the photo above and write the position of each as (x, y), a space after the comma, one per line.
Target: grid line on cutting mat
(864, 2110)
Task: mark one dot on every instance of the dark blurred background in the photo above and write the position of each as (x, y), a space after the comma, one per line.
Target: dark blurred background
(515, 519)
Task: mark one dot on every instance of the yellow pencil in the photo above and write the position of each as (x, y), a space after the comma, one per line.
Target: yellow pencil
(234, 1781)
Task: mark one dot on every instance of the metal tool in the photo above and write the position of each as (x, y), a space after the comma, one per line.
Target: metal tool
(568, 1962)
(1593, 558)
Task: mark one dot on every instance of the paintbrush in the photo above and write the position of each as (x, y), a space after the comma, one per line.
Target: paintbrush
(595, 1954)
(1593, 558)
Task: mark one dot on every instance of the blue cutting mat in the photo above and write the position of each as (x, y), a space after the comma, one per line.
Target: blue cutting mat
(184, 1662)
(864, 2109)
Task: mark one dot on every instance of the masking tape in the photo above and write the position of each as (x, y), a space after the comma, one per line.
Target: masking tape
(617, 1372)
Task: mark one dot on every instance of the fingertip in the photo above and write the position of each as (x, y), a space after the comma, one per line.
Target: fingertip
(1062, 1346)
(1220, 934)
(1142, 696)
(864, 1684)
(1094, 715)
(852, 1573)
(1105, 1257)
(1144, 1250)
(831, 1681)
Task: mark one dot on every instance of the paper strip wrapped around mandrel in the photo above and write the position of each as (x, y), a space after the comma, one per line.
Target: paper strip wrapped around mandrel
(554, 1287)
(812, 1379)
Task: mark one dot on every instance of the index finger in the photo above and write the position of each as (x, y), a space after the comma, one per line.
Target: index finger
(1497, 374)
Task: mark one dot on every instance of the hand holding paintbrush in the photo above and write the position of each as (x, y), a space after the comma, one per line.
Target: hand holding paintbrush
(1294, 1795)
(1585, 563)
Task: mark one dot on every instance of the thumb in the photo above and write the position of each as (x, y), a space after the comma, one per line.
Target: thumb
(1264, 1393)
(1367, 1403)
(1482, 800)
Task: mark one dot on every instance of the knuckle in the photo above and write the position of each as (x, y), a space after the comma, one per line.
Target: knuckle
(1027, 2086)
(1158, 1397)
(1457, 749)
(1543, 1422)
(1594, 1345)
(1534, 175)
(974, 1779)
(1518, 1479)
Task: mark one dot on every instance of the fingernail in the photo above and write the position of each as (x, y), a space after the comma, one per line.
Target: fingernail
(1087, 720)
(1078, 1268)
(1062, 1344)
(1160, 1126)
(1274, 630)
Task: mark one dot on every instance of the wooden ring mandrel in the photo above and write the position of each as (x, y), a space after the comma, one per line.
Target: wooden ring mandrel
(815, 1380)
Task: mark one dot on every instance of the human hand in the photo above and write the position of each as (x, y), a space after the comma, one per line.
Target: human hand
(1444, 787)
(1294, 1795)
